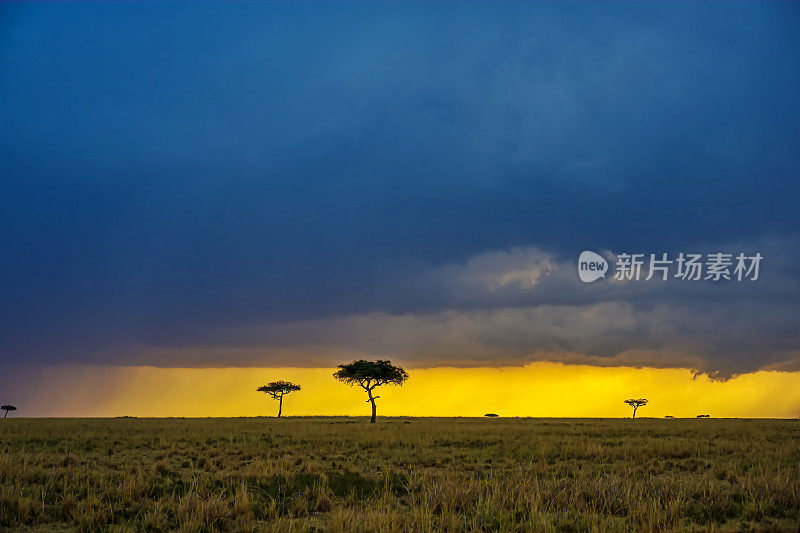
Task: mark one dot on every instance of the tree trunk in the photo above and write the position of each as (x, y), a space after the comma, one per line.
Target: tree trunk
(374, 408)
(280, 406)
(634, 412)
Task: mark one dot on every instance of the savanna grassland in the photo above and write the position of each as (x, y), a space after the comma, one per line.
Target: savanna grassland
(344, 474)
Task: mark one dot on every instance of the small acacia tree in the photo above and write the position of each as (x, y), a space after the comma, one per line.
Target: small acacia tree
(636, 403)
(371, 374)
(277, 389)
(7, 408)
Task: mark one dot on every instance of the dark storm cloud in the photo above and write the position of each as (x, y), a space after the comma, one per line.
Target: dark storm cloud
(179, 179)
(522, 305)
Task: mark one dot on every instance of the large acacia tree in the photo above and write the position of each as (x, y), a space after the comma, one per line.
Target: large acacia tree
(636, 403)
(277, 389)
(371, 374)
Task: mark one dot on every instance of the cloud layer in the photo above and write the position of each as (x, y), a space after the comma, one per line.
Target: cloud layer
(259, 184)
(523, 305)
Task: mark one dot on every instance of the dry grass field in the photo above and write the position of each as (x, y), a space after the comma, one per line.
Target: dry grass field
(343, 474)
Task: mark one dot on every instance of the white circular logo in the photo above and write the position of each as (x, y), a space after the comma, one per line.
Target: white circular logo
(591, 266)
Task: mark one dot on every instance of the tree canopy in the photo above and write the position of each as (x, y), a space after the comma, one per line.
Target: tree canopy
(371, 374)
(636, 402)
(276, 389)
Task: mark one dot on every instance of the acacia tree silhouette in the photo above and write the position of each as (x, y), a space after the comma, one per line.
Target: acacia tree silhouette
(7, 408)
(371, 374)
(277, 389)
(636, 403)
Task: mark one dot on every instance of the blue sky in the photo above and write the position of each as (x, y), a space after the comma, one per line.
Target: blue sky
(239, 184)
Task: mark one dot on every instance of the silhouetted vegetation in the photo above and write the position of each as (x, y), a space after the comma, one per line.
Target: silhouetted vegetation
(371, 374)
(636, 403)
(277, 390)
(7, 408)
(491, 415)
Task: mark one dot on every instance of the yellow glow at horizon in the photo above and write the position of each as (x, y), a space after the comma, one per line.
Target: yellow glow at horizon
(538, 389)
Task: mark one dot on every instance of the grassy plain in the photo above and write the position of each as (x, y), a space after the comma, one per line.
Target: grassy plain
(343, 474)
